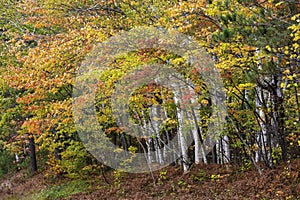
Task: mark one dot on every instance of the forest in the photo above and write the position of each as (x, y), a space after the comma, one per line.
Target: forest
(169, 99)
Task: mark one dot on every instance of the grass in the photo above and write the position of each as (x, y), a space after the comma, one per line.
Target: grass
(61, 191)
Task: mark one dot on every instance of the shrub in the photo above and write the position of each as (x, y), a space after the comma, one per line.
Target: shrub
(6, 162)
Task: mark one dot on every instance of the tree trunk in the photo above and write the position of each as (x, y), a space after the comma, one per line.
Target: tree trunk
(226, 148)
(279, 115)
(155, 121)
(33, 165)
(181, 136)
(197, 134)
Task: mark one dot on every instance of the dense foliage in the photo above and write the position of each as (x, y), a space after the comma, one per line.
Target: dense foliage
(254, 43)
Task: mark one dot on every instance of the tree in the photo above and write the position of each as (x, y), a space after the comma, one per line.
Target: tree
(252, 57)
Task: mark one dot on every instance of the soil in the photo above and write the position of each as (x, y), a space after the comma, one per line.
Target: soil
(201, 182)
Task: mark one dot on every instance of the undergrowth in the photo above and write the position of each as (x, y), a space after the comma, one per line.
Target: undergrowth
(61, 191)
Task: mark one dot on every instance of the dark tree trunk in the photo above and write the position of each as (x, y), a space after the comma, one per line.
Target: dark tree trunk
(214, 155)
(279, 108)
(280, 115)
(57, 154)
(33, 165)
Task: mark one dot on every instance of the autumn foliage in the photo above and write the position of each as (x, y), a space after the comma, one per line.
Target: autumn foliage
(254, 44)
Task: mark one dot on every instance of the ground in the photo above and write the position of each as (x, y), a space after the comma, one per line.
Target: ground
(201, 182)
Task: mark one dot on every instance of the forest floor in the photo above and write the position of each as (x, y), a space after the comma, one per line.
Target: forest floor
(201, 182)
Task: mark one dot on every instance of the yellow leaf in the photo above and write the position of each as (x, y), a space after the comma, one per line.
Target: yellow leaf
(296, 46)
(268, 48)
(287, 71)
(279, 3)
(204, 101)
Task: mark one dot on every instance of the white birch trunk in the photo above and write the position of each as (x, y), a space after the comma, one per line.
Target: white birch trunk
(226, 154)
(17, 158)
(261, 137)
(146, 131)
(199, 149)
(165, 149)
(182, 140)
(155, 120)
(181, 137)
(218, 151)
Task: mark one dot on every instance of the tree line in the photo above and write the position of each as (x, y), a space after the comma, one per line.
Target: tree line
(253, 43)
